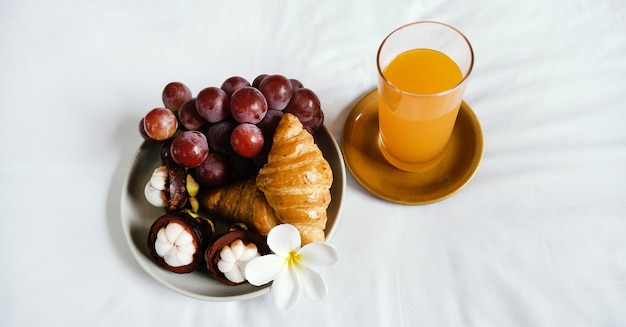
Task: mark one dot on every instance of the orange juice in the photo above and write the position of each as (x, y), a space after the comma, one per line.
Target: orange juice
(418, 105)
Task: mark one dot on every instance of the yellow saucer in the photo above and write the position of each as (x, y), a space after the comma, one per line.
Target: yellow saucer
(368, 166)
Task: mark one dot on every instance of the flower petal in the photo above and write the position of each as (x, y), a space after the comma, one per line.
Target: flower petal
(286, 288)
(318, 254)
(262, 270)
(313, 286)
(283, 239)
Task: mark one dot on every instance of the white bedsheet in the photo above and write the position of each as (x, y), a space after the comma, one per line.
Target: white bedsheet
(537, 238)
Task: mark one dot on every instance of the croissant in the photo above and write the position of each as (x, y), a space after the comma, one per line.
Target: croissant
(240, 202)
(296, 180)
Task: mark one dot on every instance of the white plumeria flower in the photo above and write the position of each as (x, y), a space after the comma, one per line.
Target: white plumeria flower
(289, 265)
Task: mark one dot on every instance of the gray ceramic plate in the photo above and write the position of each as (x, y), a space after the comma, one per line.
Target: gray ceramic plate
(138, 215)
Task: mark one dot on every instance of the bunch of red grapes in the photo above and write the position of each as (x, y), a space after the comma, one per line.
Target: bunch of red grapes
(225, 133)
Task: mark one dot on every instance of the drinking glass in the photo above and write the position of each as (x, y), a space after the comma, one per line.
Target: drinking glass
(423, 68)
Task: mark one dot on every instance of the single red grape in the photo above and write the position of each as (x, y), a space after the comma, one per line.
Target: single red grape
(247, 140)
(277, 91)
(248, 105)
(218, 136)
(189, 149)
(213, 171)
(234, 83)
(142, 132)
(175, 94)
(212, 104)
(166, 154)
(160, 124)
(315, 123)
(189, 116)
(295, 84)
(269, 122)
(257, 80)
(304, 104)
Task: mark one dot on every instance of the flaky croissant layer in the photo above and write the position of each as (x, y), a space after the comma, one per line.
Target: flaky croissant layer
(296, 180)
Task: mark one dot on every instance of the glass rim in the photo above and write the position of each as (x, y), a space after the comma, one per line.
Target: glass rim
(469, 70)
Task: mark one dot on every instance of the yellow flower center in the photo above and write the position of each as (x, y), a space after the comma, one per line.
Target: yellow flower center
(293, 258)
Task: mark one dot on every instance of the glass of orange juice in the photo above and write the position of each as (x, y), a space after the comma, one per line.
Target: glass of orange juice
(423, 68)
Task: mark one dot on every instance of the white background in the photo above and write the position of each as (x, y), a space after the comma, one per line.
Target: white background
(537, 238)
